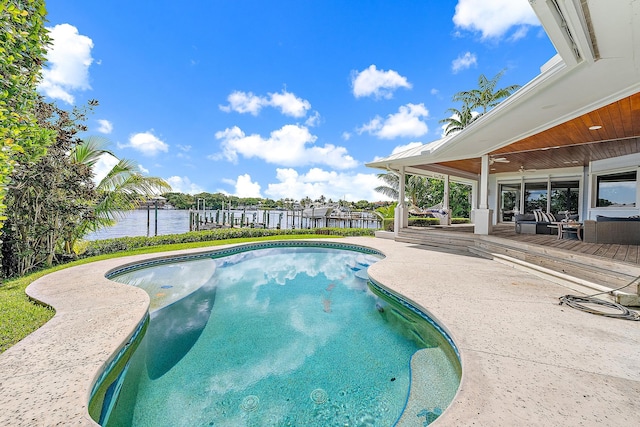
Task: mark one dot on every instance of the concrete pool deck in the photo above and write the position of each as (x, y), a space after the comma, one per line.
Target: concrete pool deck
(525, 359)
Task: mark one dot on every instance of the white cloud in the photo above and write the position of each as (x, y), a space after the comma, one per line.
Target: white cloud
(244, 187)
(69, 58)
(184, 148)
(377, 83)
(405, 123)
(289, 146)
(434, 91)
(146, 143)
(346, 136)
(494, 18)
(105, 163)
(289, 104)
(319, 182)
(105, 126)
(182, 184)
(313, 120)
(143, 169)
(247, 102)
(242, 102)
(463, 62)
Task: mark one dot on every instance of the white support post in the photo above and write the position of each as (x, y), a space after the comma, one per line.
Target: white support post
(401, 218)
(445, 202)
(474, 200)
(483, 216)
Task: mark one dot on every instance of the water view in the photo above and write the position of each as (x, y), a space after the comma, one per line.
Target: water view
(175, 221)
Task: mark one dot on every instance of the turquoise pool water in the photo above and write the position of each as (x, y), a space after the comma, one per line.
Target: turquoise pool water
(272, 337)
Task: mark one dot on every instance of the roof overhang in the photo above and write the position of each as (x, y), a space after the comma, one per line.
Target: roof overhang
(594, 80)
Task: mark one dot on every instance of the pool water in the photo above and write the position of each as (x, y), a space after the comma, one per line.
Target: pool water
(269, 337)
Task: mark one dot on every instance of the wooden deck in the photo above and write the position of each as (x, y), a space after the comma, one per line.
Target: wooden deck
(621, 253)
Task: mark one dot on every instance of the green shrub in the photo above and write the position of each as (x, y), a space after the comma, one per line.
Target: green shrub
(107, 246)
(460, 221)
(423, 222)
(387, 224)
(345, 232)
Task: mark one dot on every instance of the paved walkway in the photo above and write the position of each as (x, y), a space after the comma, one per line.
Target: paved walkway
(526, 360)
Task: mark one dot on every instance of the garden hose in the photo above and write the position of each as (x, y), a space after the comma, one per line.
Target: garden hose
(576, 301)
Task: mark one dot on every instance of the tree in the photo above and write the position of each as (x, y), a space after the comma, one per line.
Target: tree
(387, 211)
(485, 97)
(179, 200)
(123, 188)
(427, 192)
(459, 203)
(47, 198)
(459, 119)
(416, 188)
(23, 41)
(391, 188)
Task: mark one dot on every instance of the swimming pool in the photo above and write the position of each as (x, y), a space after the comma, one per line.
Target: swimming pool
(275, 336)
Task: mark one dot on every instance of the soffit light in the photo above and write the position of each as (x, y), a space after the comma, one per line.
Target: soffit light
(595, 127)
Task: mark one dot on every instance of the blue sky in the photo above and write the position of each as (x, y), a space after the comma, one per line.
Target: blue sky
(279, 99)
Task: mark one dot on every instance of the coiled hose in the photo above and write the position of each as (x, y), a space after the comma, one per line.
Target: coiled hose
(576, 301)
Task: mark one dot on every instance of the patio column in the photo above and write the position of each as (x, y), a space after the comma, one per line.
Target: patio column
(482, 218)
(474, 200)
(401, 218)
(445, 201)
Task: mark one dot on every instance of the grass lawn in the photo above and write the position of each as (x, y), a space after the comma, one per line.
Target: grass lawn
(20, 316)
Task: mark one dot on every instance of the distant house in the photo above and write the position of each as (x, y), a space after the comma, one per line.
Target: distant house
(569, 140)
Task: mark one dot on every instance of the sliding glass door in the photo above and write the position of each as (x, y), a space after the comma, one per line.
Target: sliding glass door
(552, 195)
(509, 201)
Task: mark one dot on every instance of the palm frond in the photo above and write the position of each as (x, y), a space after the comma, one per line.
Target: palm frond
(90, 150)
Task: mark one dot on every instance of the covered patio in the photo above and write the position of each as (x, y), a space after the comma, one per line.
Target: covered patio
(568, 141)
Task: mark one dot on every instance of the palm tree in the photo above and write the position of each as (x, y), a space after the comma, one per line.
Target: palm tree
(416, 187)
(459, 119)
(392, 187)
(122, 189)
(485, 96)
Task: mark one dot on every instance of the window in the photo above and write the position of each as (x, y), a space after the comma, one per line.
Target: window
(616, 190)
(564, 196)
(535, 196)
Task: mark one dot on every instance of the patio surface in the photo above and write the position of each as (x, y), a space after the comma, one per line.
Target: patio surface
(525, 359)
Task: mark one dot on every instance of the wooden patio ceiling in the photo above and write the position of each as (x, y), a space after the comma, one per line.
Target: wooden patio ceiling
(571, 143)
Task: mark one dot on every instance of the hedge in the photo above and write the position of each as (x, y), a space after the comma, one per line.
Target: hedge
(425, 222)
(107, 246)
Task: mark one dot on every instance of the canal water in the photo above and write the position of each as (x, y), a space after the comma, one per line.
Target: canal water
(134, 223)
(176, 221)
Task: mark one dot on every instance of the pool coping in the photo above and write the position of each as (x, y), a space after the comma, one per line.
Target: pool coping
(513, 373)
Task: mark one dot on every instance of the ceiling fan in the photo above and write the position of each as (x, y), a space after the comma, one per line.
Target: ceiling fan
(523, 170)
(493, 160)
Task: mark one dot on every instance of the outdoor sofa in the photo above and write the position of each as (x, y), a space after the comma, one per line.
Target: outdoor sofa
(620, 230)
(535, 223)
